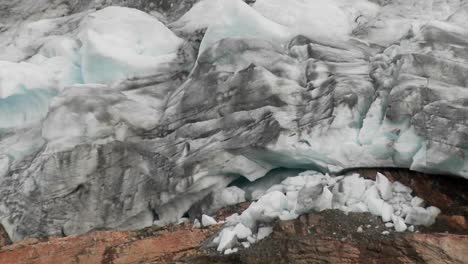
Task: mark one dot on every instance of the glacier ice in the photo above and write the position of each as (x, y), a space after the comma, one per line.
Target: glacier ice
(96, 53)
(120, 43)
(274, 20)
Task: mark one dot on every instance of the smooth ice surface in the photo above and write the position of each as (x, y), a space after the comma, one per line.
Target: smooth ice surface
(120, 43)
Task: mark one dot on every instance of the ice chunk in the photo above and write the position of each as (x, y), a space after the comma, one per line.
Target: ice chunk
(227, 240)
(292, 199)
(242, 232)
(208, 220)
(387, 211)
(272, 204)
(400, 225)
(354, 187)
(373, 201)
(314, 196)
(384, 186)
(417, 202)
(230, 251)
(421, 216)
(398, 187)
(358, 207)
(182, 220)
(359, 229)
(263, 232)
(196, 223)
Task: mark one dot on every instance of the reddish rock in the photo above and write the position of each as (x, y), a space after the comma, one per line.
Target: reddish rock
(73, 249)
(107, 247)
(454, 221)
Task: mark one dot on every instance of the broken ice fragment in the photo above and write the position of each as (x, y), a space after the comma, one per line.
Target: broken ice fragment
(400, 225)
(421, 216)
(417, 202)
(264, 232)
(384, 186)
(242, 232)
(208, 220)
(387, 211)
(227, 240)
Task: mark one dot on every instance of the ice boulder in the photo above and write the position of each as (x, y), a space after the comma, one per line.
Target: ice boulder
(263, 232)
(208, 220)
(314, 197)
(384, 186)
(227, 239)
(422, 216)
(242, 232)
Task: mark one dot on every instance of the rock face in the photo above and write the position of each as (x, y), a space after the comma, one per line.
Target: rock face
(148, 144)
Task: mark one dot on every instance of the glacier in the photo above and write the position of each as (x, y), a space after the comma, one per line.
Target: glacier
(119, 117)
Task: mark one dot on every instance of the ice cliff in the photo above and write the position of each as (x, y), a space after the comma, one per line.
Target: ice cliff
(116, 114)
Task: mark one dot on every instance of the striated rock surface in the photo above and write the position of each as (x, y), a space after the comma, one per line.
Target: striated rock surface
(118, 129)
